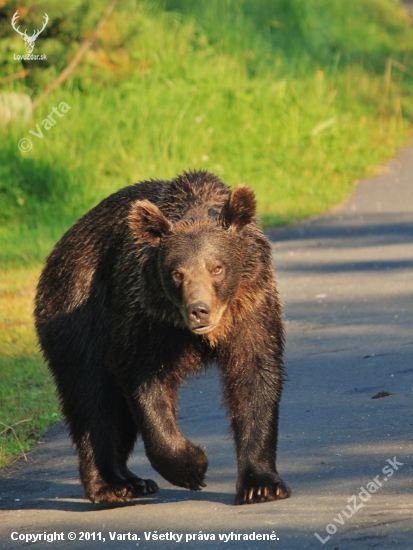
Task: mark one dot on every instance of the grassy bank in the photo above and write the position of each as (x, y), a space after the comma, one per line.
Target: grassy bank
(28, 403)
(286, 96)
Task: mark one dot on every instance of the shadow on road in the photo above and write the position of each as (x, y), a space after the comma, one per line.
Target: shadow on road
(348, 230)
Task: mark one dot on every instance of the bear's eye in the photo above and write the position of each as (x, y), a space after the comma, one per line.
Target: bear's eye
(177, 276)
(218, 270)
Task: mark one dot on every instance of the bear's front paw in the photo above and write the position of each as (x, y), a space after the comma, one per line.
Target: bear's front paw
(134, 487)
(187, 467)
(193, 468)
(256, 488)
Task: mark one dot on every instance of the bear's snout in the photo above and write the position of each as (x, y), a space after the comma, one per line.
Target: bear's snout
(198, 315)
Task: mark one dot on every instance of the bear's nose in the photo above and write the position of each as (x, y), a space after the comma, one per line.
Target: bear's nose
(198, 314)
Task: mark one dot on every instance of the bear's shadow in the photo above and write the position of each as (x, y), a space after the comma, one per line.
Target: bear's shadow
(48, 481)
(70, 499)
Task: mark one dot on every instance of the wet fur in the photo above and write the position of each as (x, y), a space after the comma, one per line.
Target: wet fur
(118, 346)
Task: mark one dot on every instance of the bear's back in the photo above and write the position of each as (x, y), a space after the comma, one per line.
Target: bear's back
(87, 249)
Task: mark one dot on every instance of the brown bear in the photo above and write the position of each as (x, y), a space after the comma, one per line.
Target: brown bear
(156, 280)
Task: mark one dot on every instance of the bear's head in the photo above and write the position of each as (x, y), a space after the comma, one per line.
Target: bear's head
(201, 260)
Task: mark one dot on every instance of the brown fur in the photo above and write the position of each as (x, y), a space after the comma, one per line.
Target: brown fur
(155, 281)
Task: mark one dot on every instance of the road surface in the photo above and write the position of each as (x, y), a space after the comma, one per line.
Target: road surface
(346, 279)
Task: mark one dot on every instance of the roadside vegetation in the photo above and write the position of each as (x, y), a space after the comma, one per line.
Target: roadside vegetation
(288, 96)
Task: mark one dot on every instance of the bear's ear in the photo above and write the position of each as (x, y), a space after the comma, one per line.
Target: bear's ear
(147, 222)
(240, 208)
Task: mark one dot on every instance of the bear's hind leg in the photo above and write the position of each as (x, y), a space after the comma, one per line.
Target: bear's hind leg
(93, 428)
(127, 432)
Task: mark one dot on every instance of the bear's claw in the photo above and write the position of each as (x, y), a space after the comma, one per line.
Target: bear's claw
(131, 488)
(194, 484)
(187, 468)
(262, 491)
(193, 469)
(144, 486)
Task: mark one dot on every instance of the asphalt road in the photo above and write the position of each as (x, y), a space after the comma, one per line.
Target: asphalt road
(346, 279)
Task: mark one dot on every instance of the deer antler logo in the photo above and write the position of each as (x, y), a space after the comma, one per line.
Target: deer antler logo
(30, 40)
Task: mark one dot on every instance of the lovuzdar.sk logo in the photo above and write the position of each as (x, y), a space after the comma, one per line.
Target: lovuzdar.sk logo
(29, 40)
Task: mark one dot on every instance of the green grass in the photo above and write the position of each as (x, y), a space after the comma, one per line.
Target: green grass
(28, 402)
(287, 96)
